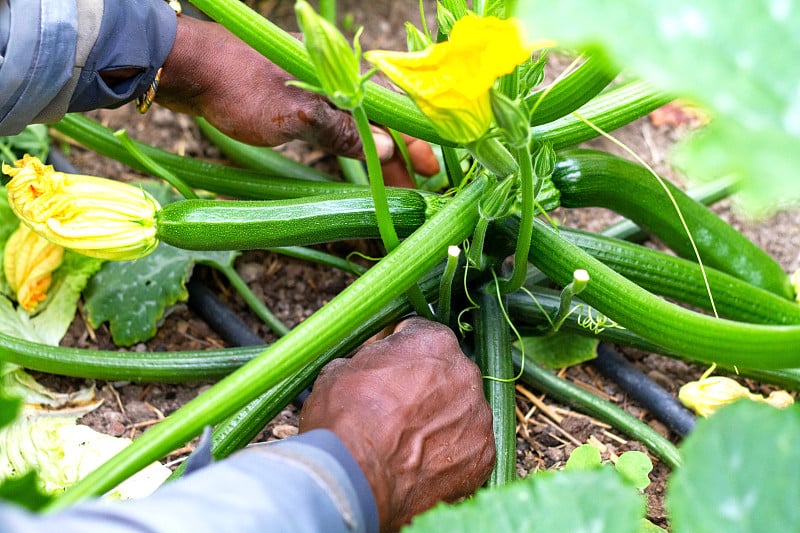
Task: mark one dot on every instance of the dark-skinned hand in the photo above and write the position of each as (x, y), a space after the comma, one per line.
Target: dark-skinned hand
(410, 408)
(212, 73)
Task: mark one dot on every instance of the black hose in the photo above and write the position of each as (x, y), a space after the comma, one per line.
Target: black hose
(660, 403)
(219, 316)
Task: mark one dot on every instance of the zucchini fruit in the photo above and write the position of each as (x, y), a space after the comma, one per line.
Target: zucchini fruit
(247, 225)
(682, 280)
(588, 178)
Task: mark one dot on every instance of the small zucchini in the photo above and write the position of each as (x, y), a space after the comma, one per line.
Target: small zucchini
(682, 280)
(588, 178)
(247, 225)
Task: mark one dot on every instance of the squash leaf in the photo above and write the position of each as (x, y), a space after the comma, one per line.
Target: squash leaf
(739, 61)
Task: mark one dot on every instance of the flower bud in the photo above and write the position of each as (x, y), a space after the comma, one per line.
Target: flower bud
(444, 19)
(511, 118)
(544, 160)
(336, 64)
(28, 262)
(416, 40)
(707, 395)
(94, 216)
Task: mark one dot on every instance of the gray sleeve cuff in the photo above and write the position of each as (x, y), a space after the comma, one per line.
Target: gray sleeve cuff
(133, 34)
(52, 51)
(306, 484)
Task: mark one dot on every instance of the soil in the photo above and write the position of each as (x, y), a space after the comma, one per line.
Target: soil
(293, 290)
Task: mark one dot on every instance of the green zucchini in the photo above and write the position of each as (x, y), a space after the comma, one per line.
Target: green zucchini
(493, 356)
(172, 367)
(682, 280)
(588, 178)
(220, 179)
(532, 317)
(246, 225)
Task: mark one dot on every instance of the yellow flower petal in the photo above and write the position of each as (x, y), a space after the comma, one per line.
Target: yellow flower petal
(93, 216)
(28, 262)
(707, 395)
(450, 81)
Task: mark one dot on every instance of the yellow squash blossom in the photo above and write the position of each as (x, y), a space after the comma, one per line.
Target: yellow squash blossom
(94, 216)
(708, 394)
(450, 81)
(28, 262)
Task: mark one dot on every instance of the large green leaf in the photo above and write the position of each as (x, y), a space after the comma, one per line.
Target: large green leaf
(738, 59)
(549, 502)
(134, 295)
(740, 472)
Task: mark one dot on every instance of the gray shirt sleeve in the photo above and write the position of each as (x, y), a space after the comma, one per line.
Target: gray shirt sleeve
(51, 52)
(309, 483)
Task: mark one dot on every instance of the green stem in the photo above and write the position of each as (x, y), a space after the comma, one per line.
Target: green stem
(527, 182)
(153, 167)
(319, 257)
(541, 379)
(446, 285)
(324, 329)
(452, 164)
(353, 171)
(382, 214)
(113, 365)
(571, 92)
(259, 158)
(608, 111)
(199, 174)
(493, 356)
(384, 218)
(256, 305)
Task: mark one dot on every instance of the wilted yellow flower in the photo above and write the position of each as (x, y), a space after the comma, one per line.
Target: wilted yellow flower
(707, 395)
(28, 262)
(450, 81)
(94, 216)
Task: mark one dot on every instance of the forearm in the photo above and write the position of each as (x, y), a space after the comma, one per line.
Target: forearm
(54, 52)
(305, 484)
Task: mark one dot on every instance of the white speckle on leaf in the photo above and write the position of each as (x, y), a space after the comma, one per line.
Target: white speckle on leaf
(779, 9)
(694, 23)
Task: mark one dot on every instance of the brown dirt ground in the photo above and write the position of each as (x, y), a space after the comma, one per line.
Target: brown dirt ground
(293, 290)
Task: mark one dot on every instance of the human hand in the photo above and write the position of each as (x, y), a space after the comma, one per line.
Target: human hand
(410, 408)
(212, 73)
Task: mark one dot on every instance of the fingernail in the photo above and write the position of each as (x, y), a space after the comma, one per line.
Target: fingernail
(384, 143)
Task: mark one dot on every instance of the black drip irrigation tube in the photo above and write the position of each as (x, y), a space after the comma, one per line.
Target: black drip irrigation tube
(660, 403)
